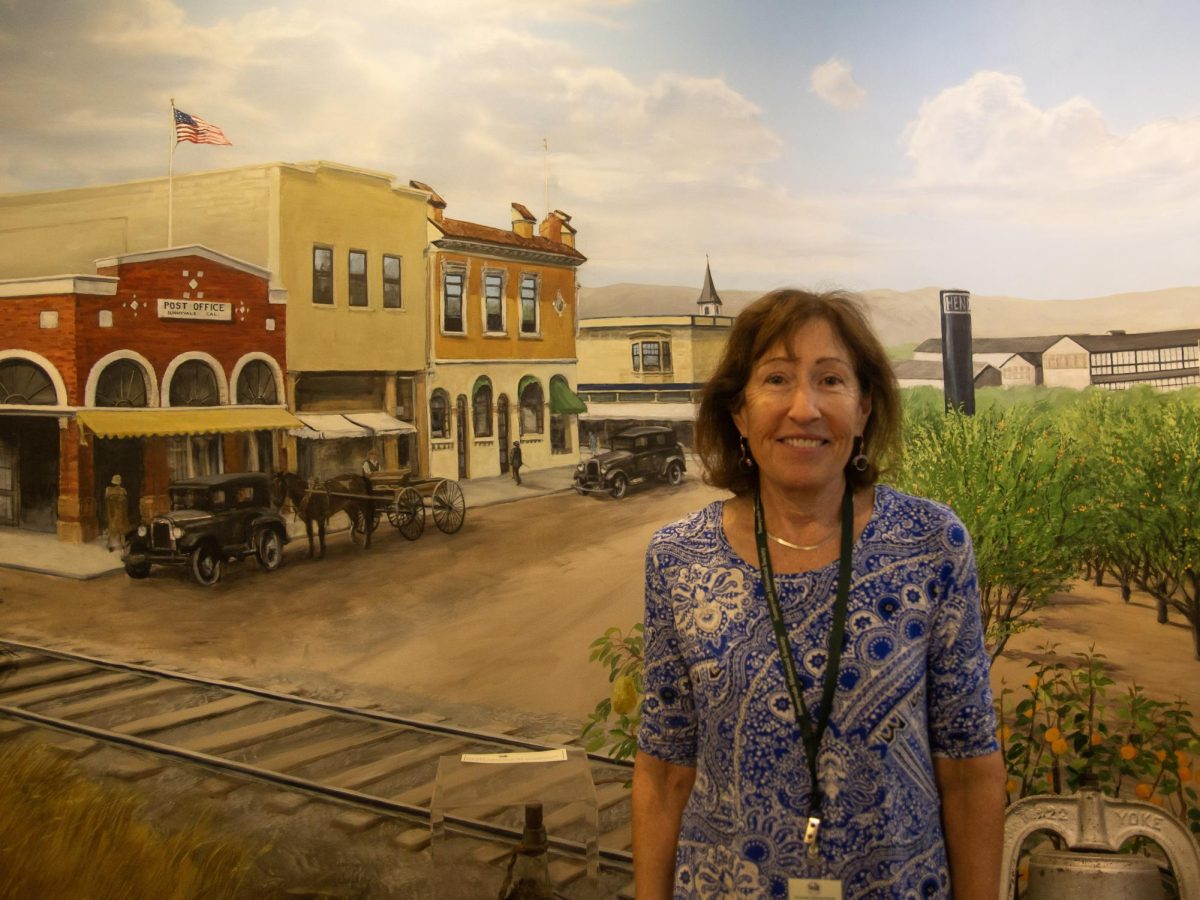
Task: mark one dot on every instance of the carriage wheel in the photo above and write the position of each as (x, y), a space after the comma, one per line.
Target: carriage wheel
(407, 513)
(449, 507)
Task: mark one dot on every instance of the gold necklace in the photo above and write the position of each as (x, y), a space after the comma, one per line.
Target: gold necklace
(780, 540)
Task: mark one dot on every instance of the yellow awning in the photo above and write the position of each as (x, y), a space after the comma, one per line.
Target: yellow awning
(121, 423)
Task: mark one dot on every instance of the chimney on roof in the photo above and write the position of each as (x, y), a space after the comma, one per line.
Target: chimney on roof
(522, 220)
(557, 227)
(709, 300)
(437, 206)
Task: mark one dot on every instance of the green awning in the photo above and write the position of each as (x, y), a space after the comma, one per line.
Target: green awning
(565, 401)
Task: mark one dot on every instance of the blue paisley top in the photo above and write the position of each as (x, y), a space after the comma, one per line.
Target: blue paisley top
(913, 685)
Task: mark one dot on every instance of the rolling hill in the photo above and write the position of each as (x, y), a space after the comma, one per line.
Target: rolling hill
(911, 316)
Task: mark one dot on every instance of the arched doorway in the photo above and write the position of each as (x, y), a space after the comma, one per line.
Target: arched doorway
(121, 384)
(502, 431)
(460, 434)
(28, 448)
(256, 385)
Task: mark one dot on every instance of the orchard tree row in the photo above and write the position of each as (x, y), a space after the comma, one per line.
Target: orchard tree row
(1055, 483)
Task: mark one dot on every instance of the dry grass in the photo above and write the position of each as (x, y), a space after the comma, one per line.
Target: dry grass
(64, 836)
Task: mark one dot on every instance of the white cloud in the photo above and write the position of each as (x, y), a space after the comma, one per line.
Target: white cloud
(655, 170)
(833, 82)
(985, 144)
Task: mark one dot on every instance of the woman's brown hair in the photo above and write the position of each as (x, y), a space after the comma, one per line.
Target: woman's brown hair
(776, 317)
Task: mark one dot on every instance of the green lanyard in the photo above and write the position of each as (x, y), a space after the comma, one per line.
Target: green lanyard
(811, 737)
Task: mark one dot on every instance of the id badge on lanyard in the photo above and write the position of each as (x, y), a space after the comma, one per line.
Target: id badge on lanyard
(814, 889)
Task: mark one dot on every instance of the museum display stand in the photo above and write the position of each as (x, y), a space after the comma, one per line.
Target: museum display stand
(481, 842)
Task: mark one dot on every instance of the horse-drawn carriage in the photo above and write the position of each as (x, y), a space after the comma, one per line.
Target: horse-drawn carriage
(366, 499)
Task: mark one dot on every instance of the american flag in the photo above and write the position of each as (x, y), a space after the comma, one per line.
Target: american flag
(196, 131)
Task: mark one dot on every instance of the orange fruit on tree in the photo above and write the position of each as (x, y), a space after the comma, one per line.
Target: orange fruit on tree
(1128, 752)
(1144, 791)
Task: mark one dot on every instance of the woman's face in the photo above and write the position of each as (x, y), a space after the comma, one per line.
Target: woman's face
(802, 409)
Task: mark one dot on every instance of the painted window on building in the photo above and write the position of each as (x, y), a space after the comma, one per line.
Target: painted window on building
(651, 356)
(358, 278)
(122, 383)
(439, 418)
(493, 302)
(322, 289)
(391, 282)
(1156, 359)
(533, 407)
(452, 297)
(193, 455)
(529, 303)
(256, 384)
(195, 384)
(405, 399)
(23, 382)
(481, 408)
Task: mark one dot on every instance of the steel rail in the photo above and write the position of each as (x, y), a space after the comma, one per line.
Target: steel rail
(345, 796)
(350, 711)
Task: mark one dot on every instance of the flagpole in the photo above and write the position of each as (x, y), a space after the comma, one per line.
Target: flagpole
(171, 181)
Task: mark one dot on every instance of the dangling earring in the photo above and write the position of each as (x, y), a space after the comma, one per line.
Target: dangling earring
(745, 460)
(859, 460)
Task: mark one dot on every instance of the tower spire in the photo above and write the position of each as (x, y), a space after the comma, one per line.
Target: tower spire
(709, 300)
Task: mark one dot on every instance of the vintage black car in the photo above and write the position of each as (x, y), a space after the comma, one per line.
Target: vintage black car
(645, 453)
(212, 520)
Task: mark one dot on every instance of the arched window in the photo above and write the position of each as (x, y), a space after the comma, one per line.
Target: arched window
(439, 419)
(122, 383)
(195, 384)
(23, 382)
(533, 406)
(481, 407)
(256, 384)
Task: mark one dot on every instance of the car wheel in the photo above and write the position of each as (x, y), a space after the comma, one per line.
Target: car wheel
(207, 565)
(674, 473)
(620, 486)
(138, 569)
(269, 549)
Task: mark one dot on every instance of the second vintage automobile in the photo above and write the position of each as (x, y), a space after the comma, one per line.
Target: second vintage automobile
(644, 453)
(212, 520)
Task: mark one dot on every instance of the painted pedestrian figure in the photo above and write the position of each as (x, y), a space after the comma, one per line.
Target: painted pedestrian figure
(116, 513)
(514, 460)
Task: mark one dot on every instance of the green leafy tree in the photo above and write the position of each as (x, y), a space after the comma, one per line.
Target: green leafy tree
(1158, 457)
(1017, 482)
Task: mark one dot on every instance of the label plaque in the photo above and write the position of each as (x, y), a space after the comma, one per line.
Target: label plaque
(204, 310)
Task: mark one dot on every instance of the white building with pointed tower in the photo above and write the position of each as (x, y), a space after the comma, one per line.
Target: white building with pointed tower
(649, 370)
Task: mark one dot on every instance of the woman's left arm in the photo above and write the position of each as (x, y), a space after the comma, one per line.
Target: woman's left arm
(973, 800)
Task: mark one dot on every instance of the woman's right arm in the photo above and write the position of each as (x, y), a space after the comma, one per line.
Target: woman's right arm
(660, 791)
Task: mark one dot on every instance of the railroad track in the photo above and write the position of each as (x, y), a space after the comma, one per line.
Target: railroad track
(372, 764)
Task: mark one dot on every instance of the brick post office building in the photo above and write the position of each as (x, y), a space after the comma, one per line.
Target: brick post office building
(163, 365)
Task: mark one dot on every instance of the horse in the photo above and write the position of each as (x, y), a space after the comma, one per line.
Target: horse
(320, 500)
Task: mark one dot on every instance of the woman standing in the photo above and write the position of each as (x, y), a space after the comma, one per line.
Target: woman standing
(817, 719)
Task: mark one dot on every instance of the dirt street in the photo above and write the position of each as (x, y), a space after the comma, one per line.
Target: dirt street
(492, 621)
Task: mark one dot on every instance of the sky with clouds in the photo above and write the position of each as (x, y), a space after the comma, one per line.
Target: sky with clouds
(1021, 147)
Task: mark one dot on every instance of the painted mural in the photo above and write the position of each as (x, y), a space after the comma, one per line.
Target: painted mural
(354, 357)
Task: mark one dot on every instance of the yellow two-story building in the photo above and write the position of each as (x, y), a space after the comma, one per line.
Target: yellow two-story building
(502, 317)
(345, 250)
